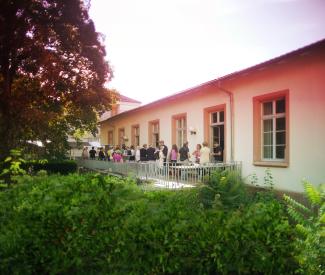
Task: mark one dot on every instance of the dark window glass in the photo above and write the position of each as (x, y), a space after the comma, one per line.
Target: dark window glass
(267, 125)
(267, 152)
(214, 117)
(280, 123)
(221, 117)
(280, 151)
(280, 106)
(268, 108)
(268, 138)
(280, 138)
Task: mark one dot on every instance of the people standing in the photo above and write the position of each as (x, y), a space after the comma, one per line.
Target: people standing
(143, 153)
(132, 157)
(217, 152)
(108, 153)
(174, 154)
(164, 150)
(101, 155)
(205, 153)
(184, 153)
(92, 153)
(151, 153)
(117, 155)
(85, 154)
(197, 153)
(161, 156)
(137, 154)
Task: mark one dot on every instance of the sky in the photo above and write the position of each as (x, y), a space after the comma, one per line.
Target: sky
(158, 48)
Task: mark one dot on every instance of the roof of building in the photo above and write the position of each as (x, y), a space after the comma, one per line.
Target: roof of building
(124, 98)
(320, 43)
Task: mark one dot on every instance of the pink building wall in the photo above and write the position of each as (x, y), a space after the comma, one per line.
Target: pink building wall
(301, 74)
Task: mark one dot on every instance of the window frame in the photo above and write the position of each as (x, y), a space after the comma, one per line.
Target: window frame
(134, 135)
(258, 142)
(110, 134)
(150, 131)
(175, 129)
(121, 137)
(207, 121)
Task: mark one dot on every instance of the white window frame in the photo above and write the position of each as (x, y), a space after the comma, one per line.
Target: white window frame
(154, 131)
(272, 116)
(213, 124)
(181, 130)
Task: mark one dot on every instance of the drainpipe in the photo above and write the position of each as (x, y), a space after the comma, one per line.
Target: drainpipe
(231, 100)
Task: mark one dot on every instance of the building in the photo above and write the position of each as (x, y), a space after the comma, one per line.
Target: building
(271, 115)
(122, 104)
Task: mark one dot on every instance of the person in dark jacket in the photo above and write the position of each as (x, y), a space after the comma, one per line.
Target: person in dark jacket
(92, 153)
(151, 153)
(143, 153)
(184, 153)
(101, 155)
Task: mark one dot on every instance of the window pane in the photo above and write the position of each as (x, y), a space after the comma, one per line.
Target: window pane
(280, 106)
(267, 125)
(267, 152)
(268, 108)
(216, 134)
(179, 138)
(280, 151)
(268, 138)
(281, 123)
(184, 123)
(221, 116)
(184, 137)
(280, 138)
(214, 117)
(179, 123)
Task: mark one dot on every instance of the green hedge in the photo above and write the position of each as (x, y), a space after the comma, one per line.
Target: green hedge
(63, 167)
(80, 224)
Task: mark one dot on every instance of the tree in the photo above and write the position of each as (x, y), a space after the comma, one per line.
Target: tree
(52, 72)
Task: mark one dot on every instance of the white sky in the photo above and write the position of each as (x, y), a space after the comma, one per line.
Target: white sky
(157, 48)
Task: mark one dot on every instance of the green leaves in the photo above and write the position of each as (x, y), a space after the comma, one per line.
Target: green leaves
(313, 195)
(309, 245)
(52, 72)
(92, 223)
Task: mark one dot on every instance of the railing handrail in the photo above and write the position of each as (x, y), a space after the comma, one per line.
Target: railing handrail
(165, 174)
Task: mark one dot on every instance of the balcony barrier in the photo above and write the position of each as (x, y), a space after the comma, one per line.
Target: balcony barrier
(167, 175)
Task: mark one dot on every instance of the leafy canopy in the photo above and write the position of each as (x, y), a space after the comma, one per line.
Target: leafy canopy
(52, 72)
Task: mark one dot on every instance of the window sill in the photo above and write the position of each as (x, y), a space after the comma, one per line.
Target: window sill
(271, 164)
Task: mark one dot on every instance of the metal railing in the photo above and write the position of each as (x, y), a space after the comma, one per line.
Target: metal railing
(168, 175)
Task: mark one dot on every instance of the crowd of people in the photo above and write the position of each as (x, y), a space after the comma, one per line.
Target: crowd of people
(201, 155)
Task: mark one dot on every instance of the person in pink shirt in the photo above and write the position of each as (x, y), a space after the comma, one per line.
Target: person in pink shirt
(174, 154)
(117, 155)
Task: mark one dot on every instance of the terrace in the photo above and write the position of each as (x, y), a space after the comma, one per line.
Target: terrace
(165, 176)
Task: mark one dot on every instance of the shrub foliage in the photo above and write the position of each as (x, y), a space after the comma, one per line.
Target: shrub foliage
(79, 224)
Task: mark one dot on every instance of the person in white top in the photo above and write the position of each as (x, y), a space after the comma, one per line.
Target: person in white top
(161, 156)
(137, 154)
(205, 153)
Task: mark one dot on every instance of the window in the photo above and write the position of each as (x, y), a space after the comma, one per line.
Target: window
(217, 128)
(154, 133)
(136, 135)
(179, 129)
(271, 129)
(110, 138)
(121, 134)
(273, 124)
(214, 125)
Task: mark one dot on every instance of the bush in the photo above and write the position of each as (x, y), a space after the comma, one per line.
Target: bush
(80, 224)
(63, 167)
(310, 226)
(224, 187)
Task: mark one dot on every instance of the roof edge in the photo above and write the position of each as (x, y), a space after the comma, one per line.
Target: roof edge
(225, 77)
